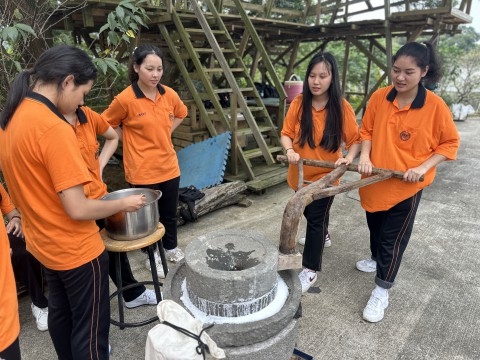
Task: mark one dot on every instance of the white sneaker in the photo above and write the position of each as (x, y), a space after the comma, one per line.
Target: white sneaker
(41, 317)
(328, 241)
(158, 264)
(147, 298)
(174, 255)
(367, 265)
(375, 309)
(307, 279)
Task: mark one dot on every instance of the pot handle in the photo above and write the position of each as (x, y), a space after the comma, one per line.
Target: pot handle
(159, 194)
(294, 77)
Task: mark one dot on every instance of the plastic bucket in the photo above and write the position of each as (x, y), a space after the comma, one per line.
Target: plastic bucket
(293, 87)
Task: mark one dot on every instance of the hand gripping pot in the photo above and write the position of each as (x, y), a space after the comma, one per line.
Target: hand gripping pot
(293, 87)
(137, 224)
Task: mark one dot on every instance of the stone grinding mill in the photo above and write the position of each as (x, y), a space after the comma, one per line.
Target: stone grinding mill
(240, 281)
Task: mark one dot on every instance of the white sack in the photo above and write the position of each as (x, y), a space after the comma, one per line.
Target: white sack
(166, 343)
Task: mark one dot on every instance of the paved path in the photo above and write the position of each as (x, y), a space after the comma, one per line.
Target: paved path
(434, 310)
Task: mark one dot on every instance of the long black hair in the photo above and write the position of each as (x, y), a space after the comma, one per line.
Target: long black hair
(139, 55)
(53, 66)
(424, 55)
(332, 135)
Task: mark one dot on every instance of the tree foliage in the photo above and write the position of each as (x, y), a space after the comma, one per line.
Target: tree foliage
(460, 55)
(25, 32)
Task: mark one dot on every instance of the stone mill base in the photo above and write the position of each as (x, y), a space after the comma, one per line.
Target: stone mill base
(279, 347)
(272, 338)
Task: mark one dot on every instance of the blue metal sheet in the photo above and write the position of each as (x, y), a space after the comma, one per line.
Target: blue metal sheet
(203, 164)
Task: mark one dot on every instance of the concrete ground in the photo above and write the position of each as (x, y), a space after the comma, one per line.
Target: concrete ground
(434, 310)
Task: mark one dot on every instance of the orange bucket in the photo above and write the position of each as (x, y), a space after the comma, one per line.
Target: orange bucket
(293, 87)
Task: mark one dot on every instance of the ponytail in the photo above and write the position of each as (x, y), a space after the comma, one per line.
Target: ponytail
(18, 91)
(434, 73)
(52, 67)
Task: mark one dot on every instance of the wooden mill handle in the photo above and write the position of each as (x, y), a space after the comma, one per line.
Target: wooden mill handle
(351, 167)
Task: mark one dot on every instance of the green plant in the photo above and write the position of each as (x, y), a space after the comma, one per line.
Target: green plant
(124, 23)
(114, 38)
(11, 38)
(14, 37)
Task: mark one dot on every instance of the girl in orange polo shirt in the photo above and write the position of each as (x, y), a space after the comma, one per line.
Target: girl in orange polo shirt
(405, 128)
(87, 124)
(9, 323)
(25, 266)
(318, 122)
(149, 112)
(45, 174)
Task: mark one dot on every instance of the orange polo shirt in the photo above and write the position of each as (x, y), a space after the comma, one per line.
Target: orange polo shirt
(148, 153)
(40, 158)
(403, 139)
(9, 322)
(6, 204)
(291, 128)
(88, 125)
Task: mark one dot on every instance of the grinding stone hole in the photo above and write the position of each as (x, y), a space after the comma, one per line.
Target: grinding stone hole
(230, 260)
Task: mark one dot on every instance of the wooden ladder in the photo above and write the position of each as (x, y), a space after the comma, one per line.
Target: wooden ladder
(211, 67)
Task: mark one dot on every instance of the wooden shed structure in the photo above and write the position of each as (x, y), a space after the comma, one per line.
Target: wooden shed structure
(221, 46)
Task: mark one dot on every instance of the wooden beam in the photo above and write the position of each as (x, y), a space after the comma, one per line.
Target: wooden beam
(367, 79)
(318, 12)
(388, 39)
(321, 47)
(268, 8)
(295, 207)
(234, 144)
(293, 56)
(255, 60)
(264, 56)
(364, 50)
(243, 44)
(352, 167)
(282, 54)
(88, 21)
(413, 36)
(317, 190)
(185, 74)
(290, 261)
(378, 45)
(374, 88)
(233, 83)
(345, 66)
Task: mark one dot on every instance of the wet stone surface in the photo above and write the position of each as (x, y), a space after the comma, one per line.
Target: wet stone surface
(230, 260)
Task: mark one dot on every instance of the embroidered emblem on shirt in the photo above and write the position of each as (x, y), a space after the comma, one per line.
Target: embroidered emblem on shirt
(142, 114)
(405, 135)
(171, 117)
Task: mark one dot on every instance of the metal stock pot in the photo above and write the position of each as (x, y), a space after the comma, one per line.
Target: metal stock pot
(133, 225)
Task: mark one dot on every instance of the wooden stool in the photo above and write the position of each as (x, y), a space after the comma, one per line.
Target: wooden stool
(118, 247)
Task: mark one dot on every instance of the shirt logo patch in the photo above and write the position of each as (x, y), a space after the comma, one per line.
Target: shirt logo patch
(142, 114)
(171, 117)
(405, 135)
